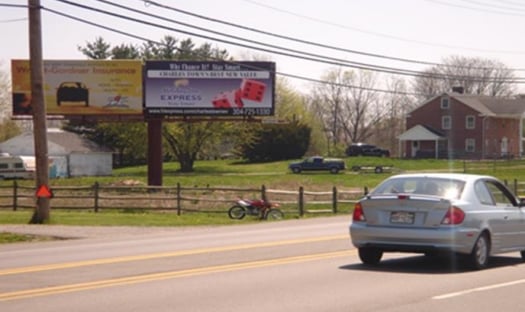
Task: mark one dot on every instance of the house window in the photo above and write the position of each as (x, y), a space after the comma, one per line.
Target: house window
(445, 103)
(470, 122)
(470, 145)
(446, 122)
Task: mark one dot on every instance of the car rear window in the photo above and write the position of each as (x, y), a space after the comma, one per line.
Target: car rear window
(447, 188)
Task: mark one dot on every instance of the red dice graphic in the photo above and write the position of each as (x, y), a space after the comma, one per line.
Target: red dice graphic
(252, 90)
(228, 99)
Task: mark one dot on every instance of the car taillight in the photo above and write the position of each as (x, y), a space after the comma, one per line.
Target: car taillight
(454, 216)
(358, 214)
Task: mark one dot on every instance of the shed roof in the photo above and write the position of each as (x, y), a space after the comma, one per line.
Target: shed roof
(59, 142)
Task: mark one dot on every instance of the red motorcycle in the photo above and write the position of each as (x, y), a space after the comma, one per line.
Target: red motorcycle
(255, 207)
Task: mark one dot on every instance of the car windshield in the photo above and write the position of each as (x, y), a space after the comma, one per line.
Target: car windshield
(447, 188)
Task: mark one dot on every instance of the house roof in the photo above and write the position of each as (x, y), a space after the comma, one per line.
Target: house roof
(421, 133)
(493, 106)
(59, 143)
(488, 105)
(73, 142)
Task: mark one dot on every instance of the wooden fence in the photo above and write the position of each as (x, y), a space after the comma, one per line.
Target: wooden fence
(177, 198)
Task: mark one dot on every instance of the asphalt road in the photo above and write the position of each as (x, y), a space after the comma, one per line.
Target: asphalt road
(297, 265)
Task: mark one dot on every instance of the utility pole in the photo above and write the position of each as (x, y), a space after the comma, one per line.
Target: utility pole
(41, 214)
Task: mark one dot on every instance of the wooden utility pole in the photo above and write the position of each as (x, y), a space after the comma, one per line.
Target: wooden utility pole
(41, 214)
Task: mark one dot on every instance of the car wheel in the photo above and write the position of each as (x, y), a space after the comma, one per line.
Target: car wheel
(523, 255)
(296, 170)
(369, 255)
(237, 212)
(334, 170)
(479, 257)
(378, 169)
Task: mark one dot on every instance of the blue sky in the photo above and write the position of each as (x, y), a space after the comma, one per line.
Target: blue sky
(419, 30)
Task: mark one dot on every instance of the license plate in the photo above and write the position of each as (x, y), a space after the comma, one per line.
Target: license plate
(402, 217)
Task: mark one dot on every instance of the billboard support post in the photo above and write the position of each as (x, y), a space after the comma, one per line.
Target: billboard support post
(155, 156)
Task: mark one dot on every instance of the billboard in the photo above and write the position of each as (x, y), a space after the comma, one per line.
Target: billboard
(81, 87)
(209, 88)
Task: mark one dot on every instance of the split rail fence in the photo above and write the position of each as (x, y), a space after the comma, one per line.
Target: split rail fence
(178, 199)
(181, 199)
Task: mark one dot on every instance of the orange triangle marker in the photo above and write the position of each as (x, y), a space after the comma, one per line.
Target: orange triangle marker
(44, 191)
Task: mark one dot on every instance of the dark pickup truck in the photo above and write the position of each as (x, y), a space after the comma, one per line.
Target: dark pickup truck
(334, 165)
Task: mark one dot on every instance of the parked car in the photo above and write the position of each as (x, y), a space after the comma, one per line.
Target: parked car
(467, 215)
(363, 149)
(317, 163)
(72, 91)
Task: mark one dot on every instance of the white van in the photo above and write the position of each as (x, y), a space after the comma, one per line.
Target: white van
(17, 167)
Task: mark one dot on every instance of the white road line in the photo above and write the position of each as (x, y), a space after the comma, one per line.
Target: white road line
(478, 289)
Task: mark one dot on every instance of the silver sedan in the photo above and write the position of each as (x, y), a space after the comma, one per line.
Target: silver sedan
(475, 216)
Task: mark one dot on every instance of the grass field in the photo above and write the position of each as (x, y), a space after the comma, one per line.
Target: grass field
(228, 173)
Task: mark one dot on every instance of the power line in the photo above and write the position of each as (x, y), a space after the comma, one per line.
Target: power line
(10, 5)
(310, 57)
(474, 8)
(13, 20)
(150, 2)
(337, 61)
(76, 18)
(382, 35)
(498, 7)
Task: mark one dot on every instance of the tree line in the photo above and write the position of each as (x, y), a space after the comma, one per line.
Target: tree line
(351, 106)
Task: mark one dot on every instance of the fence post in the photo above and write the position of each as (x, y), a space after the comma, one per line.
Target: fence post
(516, 187)
(95, 192)
(366, 190)
(301, 201)
(15, 195)
(263, 193)
(178, 199)
(464, 166)
(334, 199)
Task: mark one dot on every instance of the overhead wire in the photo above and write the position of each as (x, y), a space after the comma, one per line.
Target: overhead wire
(149, 40)
(382, 35)
(310, 57)
(475, 8)
(307, 42)
(76, 18)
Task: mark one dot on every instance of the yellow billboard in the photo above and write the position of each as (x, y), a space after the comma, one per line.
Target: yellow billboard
(81, 87)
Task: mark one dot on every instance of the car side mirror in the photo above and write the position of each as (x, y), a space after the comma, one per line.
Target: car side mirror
(522, 202)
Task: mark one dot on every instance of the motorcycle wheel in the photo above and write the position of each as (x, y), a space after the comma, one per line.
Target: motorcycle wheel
(237, 212)
(274, 214)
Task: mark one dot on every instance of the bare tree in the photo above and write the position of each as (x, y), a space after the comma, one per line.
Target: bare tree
(5, 93)
(475, 75)
(396, 106)
(348, 105)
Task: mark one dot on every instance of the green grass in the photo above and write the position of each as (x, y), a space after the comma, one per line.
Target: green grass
(116, 218)
(228, 173)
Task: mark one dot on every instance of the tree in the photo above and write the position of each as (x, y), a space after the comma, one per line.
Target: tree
(8, 128)
(278, 142)
(97, 50)
(396, 104)
(292, 107)
(347, 106)
(476, 76)
(184, 140)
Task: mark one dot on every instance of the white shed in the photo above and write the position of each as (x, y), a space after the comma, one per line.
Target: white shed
(70, 154)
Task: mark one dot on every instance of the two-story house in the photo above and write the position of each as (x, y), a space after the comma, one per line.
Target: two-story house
(456, 125)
